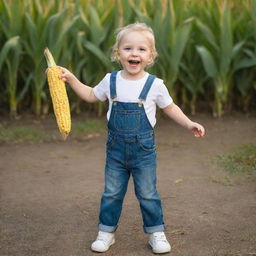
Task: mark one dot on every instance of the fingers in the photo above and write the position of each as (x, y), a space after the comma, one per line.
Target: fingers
(63, 78)
(64, 74)
(197, 134)
(198, 131)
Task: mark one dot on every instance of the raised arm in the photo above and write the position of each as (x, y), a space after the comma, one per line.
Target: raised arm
(175, 113)
(85, 92)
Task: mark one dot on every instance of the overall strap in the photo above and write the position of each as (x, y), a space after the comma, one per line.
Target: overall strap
(113, 85)
(146, 88)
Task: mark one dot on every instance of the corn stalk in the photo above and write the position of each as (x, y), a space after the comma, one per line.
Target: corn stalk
(45, 27)
(192, 77)
(221, 57)
(245, 30)
(11, 22)
(94, 40)
(253, 38)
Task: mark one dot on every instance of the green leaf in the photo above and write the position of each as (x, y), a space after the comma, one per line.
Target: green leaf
(226, 41)
(206, 31)
(96, 28)
(208, 61)
(98, 53)
(11, 44)
(66, 29)
(245, 63)
(179, 44)
(237, 48)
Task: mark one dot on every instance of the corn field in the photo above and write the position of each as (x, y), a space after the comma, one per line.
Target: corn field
(207, 50)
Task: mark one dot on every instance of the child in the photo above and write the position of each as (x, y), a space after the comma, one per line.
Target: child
(133, 95)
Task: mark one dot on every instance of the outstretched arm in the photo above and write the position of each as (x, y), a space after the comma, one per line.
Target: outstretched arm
(85, 92)
(175, 113)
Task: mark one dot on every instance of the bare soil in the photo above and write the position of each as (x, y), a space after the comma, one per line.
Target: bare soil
(50, 194)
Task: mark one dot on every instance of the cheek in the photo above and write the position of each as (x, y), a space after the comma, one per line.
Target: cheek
(120, 54)
(148, 57)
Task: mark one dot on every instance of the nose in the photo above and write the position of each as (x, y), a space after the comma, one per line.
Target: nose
(134, 52)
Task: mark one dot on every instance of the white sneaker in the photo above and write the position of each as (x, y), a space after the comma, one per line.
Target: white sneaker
(159, 243)
(103, 242)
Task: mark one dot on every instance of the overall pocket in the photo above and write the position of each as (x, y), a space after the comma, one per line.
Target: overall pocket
(127, 120)
(147, 144)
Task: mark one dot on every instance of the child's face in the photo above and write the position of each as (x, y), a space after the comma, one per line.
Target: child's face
(134, 54)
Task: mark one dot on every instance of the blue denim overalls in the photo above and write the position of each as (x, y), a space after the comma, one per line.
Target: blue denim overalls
(130, 150)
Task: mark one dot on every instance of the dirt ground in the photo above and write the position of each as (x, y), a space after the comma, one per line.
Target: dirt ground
(50, 195)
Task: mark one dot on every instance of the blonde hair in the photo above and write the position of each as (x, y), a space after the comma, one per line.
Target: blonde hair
(139, 27)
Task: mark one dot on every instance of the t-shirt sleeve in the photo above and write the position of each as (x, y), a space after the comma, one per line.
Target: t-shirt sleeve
(163, 98)
(102, 88)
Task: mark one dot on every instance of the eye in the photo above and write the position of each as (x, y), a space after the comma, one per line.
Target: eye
(127, 48)
(142, 49)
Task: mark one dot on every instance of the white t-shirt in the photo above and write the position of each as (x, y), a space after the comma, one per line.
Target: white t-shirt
(129, 91)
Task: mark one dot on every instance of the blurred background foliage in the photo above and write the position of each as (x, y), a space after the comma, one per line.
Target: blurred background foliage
(207, 50)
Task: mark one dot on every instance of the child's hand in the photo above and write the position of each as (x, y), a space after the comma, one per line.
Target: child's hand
(197, 129)
(66, 75)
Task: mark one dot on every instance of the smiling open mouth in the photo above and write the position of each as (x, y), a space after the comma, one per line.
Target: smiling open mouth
(134, 61)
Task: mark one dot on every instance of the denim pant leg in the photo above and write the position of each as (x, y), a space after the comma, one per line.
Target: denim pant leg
(144, 176)
(116, 182)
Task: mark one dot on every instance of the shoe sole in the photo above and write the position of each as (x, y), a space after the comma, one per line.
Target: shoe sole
(158, 252)
(95, 250)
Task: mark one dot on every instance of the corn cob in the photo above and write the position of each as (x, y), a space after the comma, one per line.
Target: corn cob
(59, 96)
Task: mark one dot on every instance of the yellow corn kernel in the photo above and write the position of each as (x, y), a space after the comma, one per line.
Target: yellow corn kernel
(59, 96)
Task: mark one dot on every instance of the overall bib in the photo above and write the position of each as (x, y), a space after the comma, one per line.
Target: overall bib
(130, 151)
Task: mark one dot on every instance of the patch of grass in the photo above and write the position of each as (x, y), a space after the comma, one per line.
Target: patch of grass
(14, 134)
(88, 127)
(226, 181)
(242, 161)
(34, 134)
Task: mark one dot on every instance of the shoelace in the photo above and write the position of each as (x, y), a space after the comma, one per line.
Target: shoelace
(160, 237)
